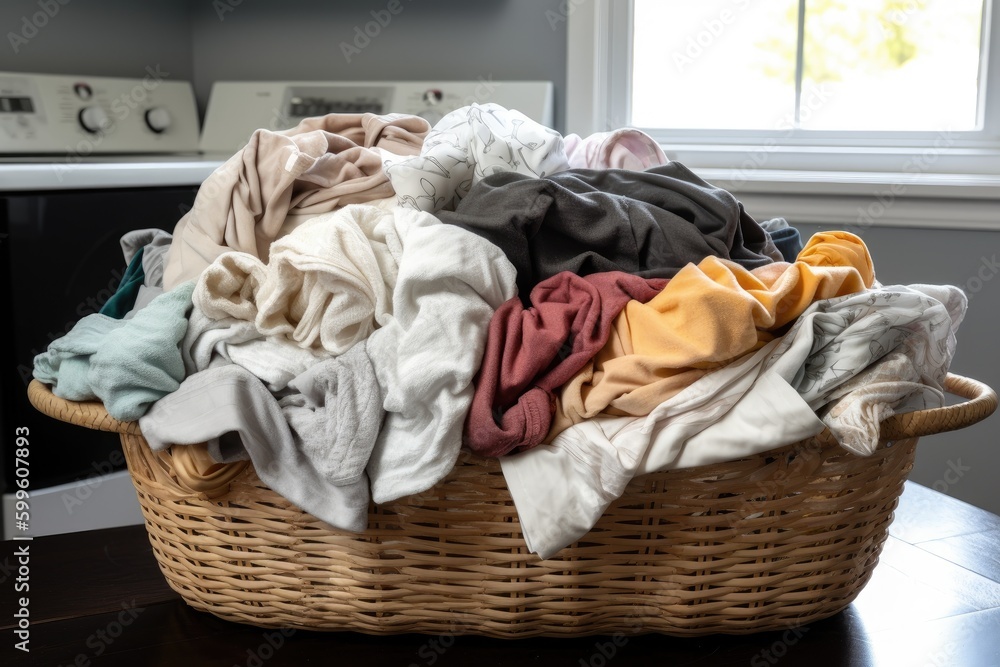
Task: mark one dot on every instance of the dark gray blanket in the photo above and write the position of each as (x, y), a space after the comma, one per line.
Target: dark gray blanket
(649, 223)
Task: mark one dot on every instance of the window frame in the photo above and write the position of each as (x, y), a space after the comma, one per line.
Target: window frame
(598, 99)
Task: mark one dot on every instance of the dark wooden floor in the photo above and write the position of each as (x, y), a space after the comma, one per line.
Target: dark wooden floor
(98, 598)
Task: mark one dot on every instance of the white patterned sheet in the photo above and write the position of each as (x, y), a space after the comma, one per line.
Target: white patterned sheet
(466, 146)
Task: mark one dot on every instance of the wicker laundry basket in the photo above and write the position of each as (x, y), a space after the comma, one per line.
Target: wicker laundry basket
(778, 539)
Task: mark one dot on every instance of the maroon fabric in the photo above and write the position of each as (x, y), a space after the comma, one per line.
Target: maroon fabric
(532, 352)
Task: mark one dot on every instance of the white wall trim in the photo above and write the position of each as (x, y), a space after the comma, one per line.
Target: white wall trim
(99, 501)
(583, 53)
(854, 213)
(854, 201)
(859, 183)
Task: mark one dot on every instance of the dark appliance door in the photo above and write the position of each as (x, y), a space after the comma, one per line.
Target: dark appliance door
(60, 259)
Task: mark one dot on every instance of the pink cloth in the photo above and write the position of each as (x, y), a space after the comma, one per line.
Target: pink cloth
(627, 148)
(280, 179)
(532, 352)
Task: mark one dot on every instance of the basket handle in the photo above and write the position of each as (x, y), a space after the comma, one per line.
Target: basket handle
(182, 472)
(981, 403)
(90, 414)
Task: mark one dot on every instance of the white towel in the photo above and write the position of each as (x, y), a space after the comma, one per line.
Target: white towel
(450, 282)
(329, 283)
(228, 287)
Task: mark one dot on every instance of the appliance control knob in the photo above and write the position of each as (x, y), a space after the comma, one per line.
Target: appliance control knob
(158, 119)
(94, 119)
(433, 96)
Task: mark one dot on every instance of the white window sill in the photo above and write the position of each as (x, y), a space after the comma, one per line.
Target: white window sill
(858, 200)
(859, 183)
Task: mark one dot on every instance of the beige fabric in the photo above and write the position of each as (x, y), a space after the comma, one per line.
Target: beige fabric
(197, 470)
(280, 179)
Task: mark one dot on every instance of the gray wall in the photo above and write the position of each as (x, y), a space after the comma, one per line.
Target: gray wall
(97, 37)
(961, 463)
(443, 39)
(208, 40)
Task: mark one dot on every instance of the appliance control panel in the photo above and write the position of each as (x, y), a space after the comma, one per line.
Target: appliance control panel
(236, 109)
(81, 116)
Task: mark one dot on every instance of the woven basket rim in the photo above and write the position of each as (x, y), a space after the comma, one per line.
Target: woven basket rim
(980, 402)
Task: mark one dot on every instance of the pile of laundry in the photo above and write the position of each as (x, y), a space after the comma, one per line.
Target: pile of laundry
(351, 302)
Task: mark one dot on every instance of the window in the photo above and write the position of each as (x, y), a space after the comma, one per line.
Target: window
(833, 85)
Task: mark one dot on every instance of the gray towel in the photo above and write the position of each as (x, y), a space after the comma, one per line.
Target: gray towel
(337, 414)
(311, 447)
(155, 244)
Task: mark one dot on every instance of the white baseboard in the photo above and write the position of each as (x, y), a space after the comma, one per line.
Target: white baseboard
(101, 501)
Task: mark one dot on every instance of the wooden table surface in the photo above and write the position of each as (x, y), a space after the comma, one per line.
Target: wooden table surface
(98, 598)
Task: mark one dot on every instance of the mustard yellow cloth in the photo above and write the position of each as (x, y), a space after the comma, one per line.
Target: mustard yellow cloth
(708, 315)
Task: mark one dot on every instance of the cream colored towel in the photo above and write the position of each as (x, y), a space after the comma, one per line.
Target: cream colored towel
(328, 285)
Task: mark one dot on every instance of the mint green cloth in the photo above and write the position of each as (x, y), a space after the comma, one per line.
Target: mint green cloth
(126, 364)
(66, 363)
